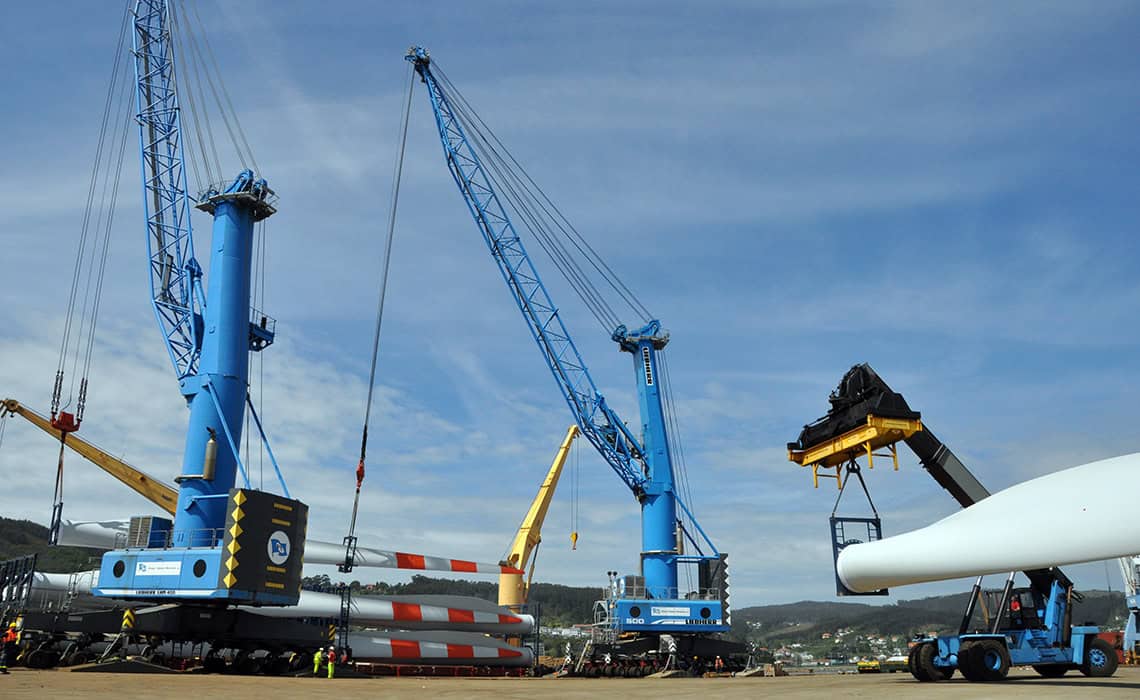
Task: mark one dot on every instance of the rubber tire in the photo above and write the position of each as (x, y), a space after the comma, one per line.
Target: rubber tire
(1051, 670)
(966, 662)
(913, 666)
(926, 662)
(990, 660)
(1105, 659)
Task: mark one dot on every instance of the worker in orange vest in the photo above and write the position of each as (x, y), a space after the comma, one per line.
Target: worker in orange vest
(8, 646)
(332, 660)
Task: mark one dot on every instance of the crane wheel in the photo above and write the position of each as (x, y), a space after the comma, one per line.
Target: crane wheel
(1100, 659)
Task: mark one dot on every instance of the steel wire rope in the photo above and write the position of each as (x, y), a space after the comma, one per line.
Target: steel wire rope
(264, 236)
(226, 94)
(188, 41)
(107, 209)
(96, 262)
(518, 197)
(559, 255)
(501, 161)
(397, 176)
(582, 397)
(65, 342)
(575, 501)
(586, 291)
(677, 449)
(565, 264)
(596, 260)
(676, 445)
(203, 75)
(192, 105)
(496, 171)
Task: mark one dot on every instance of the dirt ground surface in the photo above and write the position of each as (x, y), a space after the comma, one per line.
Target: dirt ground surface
(64, 685)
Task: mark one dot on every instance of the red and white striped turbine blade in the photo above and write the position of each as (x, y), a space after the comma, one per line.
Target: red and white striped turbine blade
(437, 648)
(317, 552)
(103, 534)
(411, 612)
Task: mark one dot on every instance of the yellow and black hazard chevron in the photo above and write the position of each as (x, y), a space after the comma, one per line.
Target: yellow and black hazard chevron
(263, 547)
(233, 546)
(128, 620)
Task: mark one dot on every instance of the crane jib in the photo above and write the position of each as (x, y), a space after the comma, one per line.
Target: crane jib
(562, 357)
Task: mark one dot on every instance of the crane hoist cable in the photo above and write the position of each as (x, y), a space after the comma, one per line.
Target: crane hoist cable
(94, 240)
(574, 471)
(202, 88)
(350, 539)
(90, 267)
(567, 249)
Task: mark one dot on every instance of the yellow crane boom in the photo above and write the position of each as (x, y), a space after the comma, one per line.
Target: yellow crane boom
(512, 589)
(158, 493)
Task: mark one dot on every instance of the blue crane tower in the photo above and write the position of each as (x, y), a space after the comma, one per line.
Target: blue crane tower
(224, 543)
(653, 601)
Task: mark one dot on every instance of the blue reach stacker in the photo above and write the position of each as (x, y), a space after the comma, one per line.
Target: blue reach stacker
(1024, 626)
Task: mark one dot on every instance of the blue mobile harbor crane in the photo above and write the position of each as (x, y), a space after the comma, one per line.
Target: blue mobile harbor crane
(216, 528)
(226, 545)
(1026, 626)
(651, 603)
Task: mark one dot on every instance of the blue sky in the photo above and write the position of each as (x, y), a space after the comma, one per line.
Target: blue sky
(944, 190)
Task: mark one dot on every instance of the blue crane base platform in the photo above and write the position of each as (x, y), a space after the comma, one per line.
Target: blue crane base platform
(255, 558)
(670, 615)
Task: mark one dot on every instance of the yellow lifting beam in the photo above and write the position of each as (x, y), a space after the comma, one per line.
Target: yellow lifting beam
(158, 493)
(862, 441)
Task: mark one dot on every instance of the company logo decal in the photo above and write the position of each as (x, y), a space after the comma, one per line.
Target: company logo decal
(278, 547)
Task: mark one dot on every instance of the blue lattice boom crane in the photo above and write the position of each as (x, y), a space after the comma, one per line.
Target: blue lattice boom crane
(652, 602)
(209, 335)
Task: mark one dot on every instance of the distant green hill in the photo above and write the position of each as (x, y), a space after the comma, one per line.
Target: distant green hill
(22, 537)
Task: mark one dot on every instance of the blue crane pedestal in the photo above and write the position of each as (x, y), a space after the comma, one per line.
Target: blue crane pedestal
(217, 528)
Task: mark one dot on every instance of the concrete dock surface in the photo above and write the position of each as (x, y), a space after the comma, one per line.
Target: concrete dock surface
(64, 685)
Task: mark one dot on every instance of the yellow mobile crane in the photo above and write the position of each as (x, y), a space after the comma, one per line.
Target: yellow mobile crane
(158, 493)
(513, 590)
